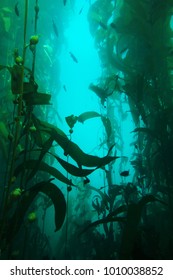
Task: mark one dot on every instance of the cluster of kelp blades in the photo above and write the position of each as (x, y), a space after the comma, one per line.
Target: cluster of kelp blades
(42, 138)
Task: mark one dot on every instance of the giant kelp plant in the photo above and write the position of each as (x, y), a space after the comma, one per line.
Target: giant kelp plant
(134, 42)
(27, 149)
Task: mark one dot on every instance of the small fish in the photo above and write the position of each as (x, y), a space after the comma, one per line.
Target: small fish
(124, 173)
(16, 9)
(80, 12)
(73, 57)
(64, 2)
(103, 25)
(55, 29)
(64, 87)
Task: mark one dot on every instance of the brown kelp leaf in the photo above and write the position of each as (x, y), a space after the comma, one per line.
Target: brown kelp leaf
(87, 115)
(72, 149)
(71, 120)
(37, 98)
(84, 159)
(73, 170)
(100, 92)
(42, 167)
(47, 127)
(30, 88)
(49, 189)
(91, 114)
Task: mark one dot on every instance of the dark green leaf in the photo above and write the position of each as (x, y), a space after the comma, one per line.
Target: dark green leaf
(27, 198)
(84, 159)
(42, 167)
(73, 170)
(72, 149)
(37, 98)
(71, 120)
(87, 115)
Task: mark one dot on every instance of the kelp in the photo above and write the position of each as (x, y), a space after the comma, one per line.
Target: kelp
(73, 170)
(41, 166)
(130, 220)
(146, 130)
(100, 92)
(49, 189)
(134, 214)
(87, 160)
(4, 134)
(70, 148)
(37, 99)
(87, 115)
(71, 120)
(47, 145)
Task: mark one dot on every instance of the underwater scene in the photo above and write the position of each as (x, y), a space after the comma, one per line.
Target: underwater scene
(86, 130)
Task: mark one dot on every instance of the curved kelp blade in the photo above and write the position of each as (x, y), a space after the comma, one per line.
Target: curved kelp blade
(87, 115)
(84, 159)
(57, 134)
(72, 149)
(47, 127)
(73, 170)
(91, 114)
(49, 189)
(45, 168)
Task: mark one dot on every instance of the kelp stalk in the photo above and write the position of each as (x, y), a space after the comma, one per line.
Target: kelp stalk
(17, 124)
